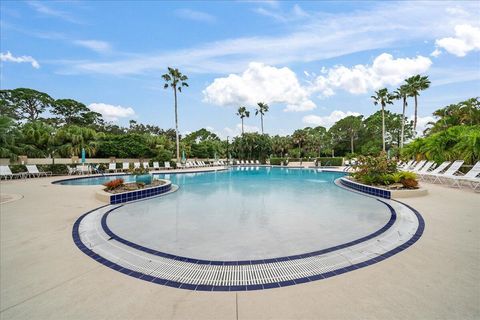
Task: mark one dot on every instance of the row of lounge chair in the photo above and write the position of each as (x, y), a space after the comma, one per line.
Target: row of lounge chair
(32, 171)
(446, 173)
(248, 162)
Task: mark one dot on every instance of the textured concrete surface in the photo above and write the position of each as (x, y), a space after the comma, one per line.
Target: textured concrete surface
(44, 276)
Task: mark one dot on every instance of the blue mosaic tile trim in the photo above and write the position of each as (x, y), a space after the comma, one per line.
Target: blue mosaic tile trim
(377, 192)
(139, 194)
(109, 232)
(132, 273)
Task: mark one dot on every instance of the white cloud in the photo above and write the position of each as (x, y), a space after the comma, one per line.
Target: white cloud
(111, 112)
(327, 121)
(436, 53)
(95, 45)
(385, 71)
(422, 122)
(467, 38)
(195, 15)
(40, 7)
(316, 37)
(9, 57)
(260, 83)
(237, 130)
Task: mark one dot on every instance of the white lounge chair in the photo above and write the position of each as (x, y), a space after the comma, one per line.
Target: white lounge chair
(136, 165)
(418, 166)
(83, 169)
(33, 171)
(6, 173)
(167, 165)
(425, 168)
(470, 176)
(257, 162)
(448, 173)
(125, 166)
(406, 165)
(71, 170)
(156, 165)
(112, 167)
(146, 165)
(439, 169)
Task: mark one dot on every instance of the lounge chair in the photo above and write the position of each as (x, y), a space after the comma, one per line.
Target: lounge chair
(125, 166)
(71, 170)
(136, 165)
(167, 165)
(112, 167)
(156, 165)
(33, 171)
(425, 168)
(146, 165)
(6, 173)
(83, 169)
(406, 165)
(257, 162)
(470, 176)
(439, 169)
(448, 173)
(418, 166)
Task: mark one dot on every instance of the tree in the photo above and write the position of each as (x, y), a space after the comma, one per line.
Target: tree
(176, 80)
(262, 109)
(382, 97)
(242, 112)
(26, 103)
(416, 84)
(348, 128)
(72, 139)
(72, 112)
(402, 93)
(299, 137)
(463, 113)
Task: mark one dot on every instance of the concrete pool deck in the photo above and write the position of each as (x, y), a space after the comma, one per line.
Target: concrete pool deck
(44, 275)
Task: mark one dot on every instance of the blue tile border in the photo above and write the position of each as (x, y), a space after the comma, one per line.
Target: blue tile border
(377, 192)
(140, 194)
(132, 273)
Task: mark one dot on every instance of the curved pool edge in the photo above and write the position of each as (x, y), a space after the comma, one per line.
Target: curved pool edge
(177, 261)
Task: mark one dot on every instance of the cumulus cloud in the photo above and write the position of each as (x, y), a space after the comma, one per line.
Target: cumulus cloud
(95, 45)
(422, 122)
(111, 112)
(11, 58)
(436, 53)
(385, 71)
(195, 15)
(467, 38)
(327, 121)
(260, 83)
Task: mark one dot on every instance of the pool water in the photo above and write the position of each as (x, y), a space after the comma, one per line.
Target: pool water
(247, 213)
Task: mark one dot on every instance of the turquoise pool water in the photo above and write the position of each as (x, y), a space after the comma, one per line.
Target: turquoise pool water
(246, 214)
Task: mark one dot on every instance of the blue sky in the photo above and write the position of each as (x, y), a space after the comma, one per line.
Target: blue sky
(312, 62)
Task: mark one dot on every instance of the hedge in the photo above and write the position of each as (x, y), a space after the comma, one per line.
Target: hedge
(329, 161)
(53, 168)
(277, 161)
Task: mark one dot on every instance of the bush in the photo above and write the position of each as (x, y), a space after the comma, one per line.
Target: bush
(112, 185)
(330, 161)
(375, 170)
(59, 169)
(277, 161)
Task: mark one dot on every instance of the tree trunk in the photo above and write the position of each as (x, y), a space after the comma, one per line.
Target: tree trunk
(242, 126)
(415, 118)
(351, 142)
(261, 118)
(403, 121)
(176, 125)
(383, 127)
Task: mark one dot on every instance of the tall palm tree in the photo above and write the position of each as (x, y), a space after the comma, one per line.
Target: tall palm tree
(402, 93)
(383, 97)
(262, 109)
(416, 84)
(175, 80)
(243, 113)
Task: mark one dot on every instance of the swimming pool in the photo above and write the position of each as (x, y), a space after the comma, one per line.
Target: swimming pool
(244, 216)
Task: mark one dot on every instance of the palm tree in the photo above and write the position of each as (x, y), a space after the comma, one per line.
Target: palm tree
(402, 93)
(176, 80)
(383, 97)
(416, 84)
(243, 113)
(262, 109)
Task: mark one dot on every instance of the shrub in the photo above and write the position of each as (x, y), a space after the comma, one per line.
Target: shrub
(277, 161)
(409, 180)
(113, 184)
(330, 161)
(375, 170)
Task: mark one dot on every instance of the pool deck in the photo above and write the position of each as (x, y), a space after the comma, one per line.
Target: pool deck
(44, 275)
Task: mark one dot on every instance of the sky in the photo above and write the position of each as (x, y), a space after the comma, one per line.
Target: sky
(312, 62)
